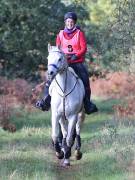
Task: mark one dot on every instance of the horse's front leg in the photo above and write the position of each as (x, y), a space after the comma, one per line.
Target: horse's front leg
(68, 141)
(64, 128)
(55, 135)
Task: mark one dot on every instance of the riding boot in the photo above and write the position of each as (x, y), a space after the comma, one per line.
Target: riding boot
(89, 106)
(44, 103)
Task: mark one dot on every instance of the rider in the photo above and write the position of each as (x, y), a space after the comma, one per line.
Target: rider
(73, 43)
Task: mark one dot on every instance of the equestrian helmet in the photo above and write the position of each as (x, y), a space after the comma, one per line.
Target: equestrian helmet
(70, 15)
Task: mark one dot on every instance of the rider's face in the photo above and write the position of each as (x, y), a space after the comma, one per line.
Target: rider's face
(69, 23)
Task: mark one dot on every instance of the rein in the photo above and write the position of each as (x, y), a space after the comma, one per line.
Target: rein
(63, 91)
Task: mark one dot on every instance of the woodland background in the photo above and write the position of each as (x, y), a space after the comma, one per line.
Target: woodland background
(108, 137)
(27, 26)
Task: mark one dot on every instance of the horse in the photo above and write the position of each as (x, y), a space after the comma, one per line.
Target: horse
(67, 94)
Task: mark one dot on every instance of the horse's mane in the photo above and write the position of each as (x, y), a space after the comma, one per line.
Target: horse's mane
(55, 49)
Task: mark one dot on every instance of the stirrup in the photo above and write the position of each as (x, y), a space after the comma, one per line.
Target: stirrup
(43, 104)
(90, 108)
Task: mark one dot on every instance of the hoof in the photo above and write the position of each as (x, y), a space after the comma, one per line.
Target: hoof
(60, 155)
(78, 155)
(66, 163)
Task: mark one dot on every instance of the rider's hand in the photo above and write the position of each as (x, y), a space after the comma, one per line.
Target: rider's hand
(71, 57)
(68, 56)
(74, 57)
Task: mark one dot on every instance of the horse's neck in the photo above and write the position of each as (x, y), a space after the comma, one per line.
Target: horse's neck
(66, 80)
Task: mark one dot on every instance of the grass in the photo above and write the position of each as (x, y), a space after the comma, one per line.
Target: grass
(107, 146)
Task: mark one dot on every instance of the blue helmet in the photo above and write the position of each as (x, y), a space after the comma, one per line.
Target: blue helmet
(70, 15)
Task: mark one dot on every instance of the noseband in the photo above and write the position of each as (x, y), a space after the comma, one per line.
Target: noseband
(54, 65)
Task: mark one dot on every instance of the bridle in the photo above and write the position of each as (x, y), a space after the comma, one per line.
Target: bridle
(54, 65)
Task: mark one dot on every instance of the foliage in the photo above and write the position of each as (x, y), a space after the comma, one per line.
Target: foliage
(119, 38)
(13, 94)
(26, 29)
(110, 32)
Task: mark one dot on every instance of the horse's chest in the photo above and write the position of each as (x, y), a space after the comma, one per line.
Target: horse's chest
(68, 101)
(65, 104)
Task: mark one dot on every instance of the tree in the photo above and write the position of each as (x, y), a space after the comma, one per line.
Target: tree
(120, 36)
(26, 28)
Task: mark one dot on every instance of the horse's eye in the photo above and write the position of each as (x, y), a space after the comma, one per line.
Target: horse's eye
(59, 59)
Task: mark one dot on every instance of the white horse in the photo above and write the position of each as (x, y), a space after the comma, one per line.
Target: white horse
(67, 94)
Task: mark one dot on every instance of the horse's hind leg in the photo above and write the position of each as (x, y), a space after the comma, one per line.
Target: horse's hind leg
(78, 153)
(78, 139)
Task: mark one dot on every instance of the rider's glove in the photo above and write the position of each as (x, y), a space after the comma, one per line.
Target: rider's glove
(74, 57)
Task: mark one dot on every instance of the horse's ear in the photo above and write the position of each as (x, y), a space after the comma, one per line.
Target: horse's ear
(59, 47)
(49, 47)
